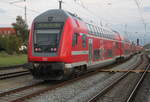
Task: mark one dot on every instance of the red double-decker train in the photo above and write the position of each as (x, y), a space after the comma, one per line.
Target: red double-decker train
(61, 44)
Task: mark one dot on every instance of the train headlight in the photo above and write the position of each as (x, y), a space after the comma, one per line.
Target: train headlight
(36, 49)
(52, 49)
(55, 49)
(36, 64)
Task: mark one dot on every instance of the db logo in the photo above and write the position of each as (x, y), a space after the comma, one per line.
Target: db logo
(45, 59)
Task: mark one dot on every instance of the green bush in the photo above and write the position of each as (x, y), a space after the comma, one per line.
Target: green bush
(10, 43)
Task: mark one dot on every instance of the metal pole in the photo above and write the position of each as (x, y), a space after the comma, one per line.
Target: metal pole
(126, 33)
(60, 4)
(25, 11)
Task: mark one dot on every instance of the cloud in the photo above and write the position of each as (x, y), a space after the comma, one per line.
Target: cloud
(112, 12)
(146, 9)
(2, 10)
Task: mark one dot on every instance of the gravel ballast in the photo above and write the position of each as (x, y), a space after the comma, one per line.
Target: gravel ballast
(143, 94)
(80, 91)
(17, 82)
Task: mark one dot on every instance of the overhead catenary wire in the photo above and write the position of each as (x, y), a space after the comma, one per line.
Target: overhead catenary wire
(31, 10)
(140, 13)
(138, 3)
(81, 4)
(12, 16)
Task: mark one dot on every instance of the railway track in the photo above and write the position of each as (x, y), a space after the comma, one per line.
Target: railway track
(134, 91)
(108, 88)
(28, 92)
(14, 67)
(13, 74)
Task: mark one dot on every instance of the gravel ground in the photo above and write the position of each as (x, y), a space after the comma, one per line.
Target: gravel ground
(80, 91)
(143, 94)
(120, 92)
(14, 96)
(11, 70)
(13, 83)
(149, 56)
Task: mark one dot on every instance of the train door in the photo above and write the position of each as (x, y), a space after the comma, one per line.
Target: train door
(90, 50)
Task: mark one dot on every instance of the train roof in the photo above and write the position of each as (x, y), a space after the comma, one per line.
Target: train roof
(59, 15)
(62, 15)
(53, 15)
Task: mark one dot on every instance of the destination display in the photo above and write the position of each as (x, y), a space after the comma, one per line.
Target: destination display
(48, 25)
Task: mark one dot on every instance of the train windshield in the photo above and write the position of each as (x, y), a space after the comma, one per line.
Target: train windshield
(47, 36)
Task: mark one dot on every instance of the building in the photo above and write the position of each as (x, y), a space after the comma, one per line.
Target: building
(7, 31)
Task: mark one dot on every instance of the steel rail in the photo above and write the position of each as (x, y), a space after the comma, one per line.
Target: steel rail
(36, 93)
(50, 88)
(19, 89)
(13, 74)
(131, 96)
(107, 88)
(14, 67)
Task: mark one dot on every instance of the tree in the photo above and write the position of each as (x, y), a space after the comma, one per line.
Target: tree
(10, 44)
(21, 28)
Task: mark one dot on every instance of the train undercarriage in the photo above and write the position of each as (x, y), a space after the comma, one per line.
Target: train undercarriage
(50, 70)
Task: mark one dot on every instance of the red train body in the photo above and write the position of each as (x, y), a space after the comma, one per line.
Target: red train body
(61, 44)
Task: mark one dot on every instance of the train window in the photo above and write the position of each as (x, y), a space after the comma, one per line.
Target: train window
(93, 29)
(100, 53)
(98, 33)
(127, 51)
(75, 39)
(98, 30)
(47, 25)
(117, 45)
(122, 45)
(110, 36)
(110, 53)
(97, 54)
(106, 35)
(101, 32)
(88, 27)
(84, 41)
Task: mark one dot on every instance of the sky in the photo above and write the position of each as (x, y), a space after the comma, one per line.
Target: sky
(121, 15)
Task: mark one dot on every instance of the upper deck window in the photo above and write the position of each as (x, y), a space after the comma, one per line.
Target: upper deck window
(84, 41)
(75, 39)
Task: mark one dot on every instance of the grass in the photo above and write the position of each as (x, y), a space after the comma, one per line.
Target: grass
(10, 60)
